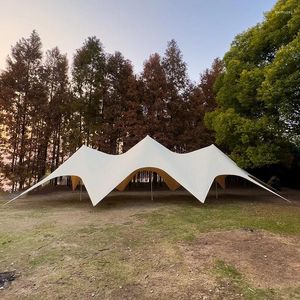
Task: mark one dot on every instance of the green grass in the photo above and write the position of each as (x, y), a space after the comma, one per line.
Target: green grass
(98, 255)
(237, 282)
(185, 223)
(48, 257)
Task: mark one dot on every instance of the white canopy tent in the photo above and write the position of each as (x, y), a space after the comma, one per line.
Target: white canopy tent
(195, 171)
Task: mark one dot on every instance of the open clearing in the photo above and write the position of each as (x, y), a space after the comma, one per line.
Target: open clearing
(245, 245)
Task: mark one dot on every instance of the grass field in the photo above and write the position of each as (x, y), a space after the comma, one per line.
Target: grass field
(245, 245)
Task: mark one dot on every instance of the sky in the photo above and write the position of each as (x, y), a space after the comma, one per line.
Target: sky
(203, 29)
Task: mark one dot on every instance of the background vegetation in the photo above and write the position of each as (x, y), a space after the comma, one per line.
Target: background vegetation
(250, 101)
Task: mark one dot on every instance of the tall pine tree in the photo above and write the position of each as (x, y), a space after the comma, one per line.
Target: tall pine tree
(177, 91)
(118, 82)
(155, 99)
(201, 100)
(88, 81)
(24, 95)
(58, 108)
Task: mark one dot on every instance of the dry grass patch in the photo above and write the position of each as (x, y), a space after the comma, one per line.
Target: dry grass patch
(133, 248)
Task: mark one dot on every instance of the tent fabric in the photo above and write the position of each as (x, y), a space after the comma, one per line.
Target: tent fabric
(170, 182)
(195, 171)
(221, 181)
(75, 181)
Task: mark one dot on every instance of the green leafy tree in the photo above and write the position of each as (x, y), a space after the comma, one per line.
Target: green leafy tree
(252, 119)
(280, 90)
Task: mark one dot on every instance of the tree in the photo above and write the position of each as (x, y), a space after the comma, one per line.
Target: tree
(155, 99)
(201, 99)
(177, 94)
(280, 90)
(118, 79)
(57, 85)
(88, 76)
(23, 95)
(250, 123)
(123, 110)
(175, 67)
(133, 127)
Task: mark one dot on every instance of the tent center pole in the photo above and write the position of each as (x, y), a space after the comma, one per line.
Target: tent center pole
(216, 184)
(80, 194)
(151, 188)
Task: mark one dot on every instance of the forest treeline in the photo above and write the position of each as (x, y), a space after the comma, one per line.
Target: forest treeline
(49, 111)
(248, 102)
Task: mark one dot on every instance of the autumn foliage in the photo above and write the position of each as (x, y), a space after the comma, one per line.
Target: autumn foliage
(47, 112)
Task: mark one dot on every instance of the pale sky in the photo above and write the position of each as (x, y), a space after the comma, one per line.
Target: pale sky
(203, 29)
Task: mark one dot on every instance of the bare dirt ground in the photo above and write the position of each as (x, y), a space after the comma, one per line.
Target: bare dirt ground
(243, 245)
(266, 259)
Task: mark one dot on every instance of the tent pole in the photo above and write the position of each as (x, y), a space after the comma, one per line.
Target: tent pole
(151, 189)
(217, 196)
(80, 197)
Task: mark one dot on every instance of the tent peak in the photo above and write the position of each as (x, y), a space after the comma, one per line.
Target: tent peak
(148, 137)
(213, 146)
(83, 147)
(150, 140)
(148, 143)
